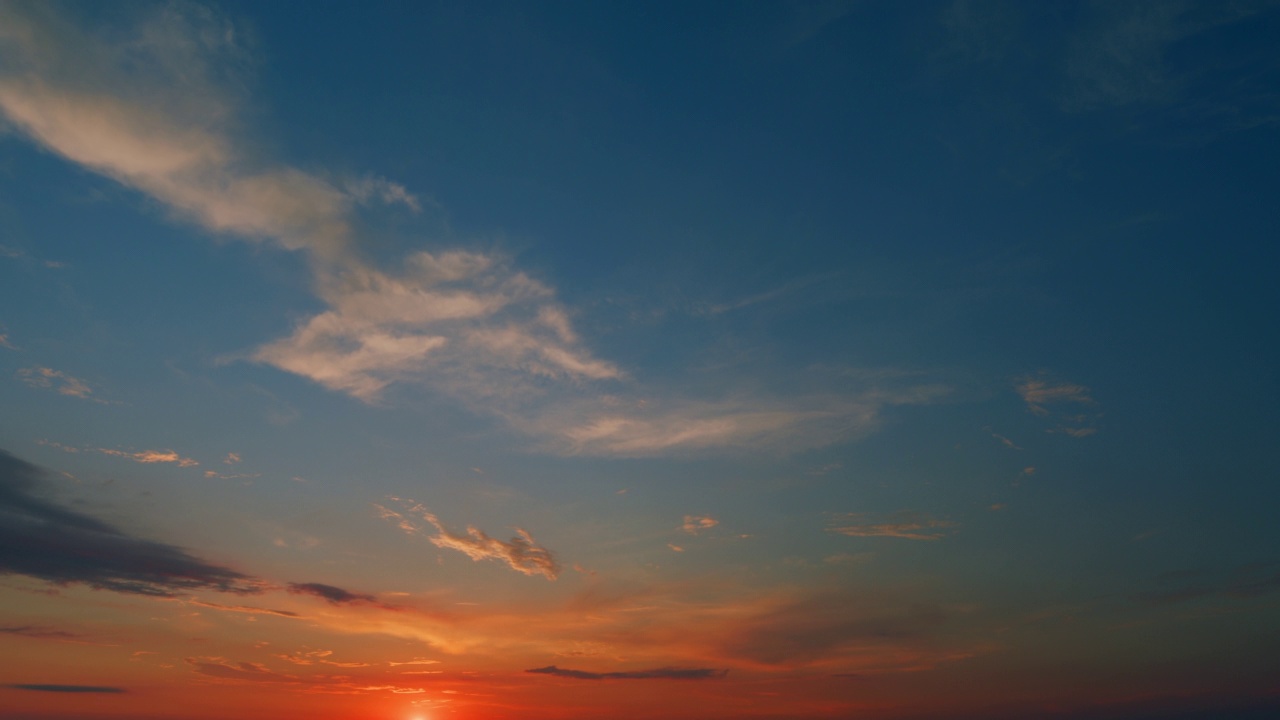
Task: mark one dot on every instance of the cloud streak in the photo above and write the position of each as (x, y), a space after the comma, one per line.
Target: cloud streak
(100, 689)
(330, 594)
(521, 553)
(56, 380)
(663, 673)
(907, 525)
(150, 457)
(43, 540)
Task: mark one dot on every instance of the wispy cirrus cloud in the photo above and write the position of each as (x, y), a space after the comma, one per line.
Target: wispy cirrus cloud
(151, 102)
(58, 381)
(155, 112)
(521, 553)
(40, 539)
(613, 426)
(1037, 393)
(1047, 399)
(908, 525)
(252, 672)
(663, 673)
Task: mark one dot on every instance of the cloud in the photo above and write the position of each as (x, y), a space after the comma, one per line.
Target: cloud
(252, 672)
(318, 657)
(611, 426)
(369, 189)
(43, 540)
(1117, 56)
(154, 113)
(693, 524)
(69, 688)
(247, 609)
(464, 322)
(521, 553)
(1046, 399)
(1037, 393)
(152, 103)
(831, 624)
(62, 383)
(148, 457)
(909, 525)
(664, 673)
(334, 595)
(39, 633)
(1243, 581)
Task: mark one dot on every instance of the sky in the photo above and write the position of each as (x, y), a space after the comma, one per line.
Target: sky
(637, 360)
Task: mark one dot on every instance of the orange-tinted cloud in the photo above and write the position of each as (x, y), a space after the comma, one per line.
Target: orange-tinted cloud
(521, 553)
(62, 383)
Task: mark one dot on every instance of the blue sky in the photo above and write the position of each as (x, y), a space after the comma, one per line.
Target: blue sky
(927, 343)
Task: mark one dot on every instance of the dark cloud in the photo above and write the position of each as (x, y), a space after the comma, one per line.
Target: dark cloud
(35, 631)
(40, 539)
(335, 595)
(665, 673)
(68, 688)
(1243, 581)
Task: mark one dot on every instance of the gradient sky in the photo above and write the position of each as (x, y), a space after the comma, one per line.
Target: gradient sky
(484, 361)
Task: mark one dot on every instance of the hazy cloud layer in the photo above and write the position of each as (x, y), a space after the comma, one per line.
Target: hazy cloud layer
(908, 525)
(252, 672)
(40, 539)
(832, 624)
(521, 553)
(664, 673)
(69, 688)
(38, 632)
(1244, 581)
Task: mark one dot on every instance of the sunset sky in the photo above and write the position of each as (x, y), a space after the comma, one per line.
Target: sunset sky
(639, 360)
